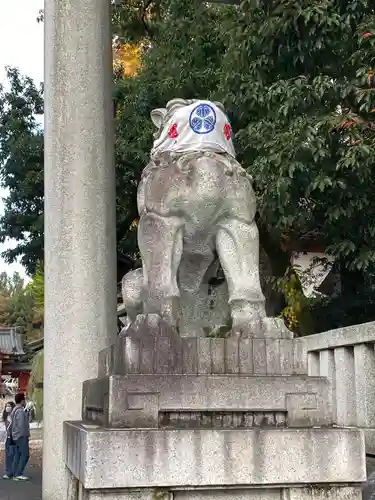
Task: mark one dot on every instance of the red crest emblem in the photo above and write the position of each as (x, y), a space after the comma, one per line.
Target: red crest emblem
(173, 134)
(227, 131)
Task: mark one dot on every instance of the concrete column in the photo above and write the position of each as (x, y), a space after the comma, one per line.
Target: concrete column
(328, 369)
(364, 371)
(80, 253)
(313, 364)
(345, 386)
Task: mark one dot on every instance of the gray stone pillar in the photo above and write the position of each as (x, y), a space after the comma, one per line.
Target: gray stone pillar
(80, 253)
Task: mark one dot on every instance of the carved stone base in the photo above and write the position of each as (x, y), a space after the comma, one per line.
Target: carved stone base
(140, 401)
(209, 419)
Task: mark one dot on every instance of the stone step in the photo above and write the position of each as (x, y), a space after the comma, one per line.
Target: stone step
(192, 355)
(116, 460)
(139, 400)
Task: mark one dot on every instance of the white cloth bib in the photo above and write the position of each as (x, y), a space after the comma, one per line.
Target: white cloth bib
(201, 126)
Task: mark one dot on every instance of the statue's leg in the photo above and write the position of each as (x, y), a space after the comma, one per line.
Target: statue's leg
(237, 244)
(160, 241)
(132, 284)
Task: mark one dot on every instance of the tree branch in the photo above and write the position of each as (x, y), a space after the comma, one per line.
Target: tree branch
(143, 16)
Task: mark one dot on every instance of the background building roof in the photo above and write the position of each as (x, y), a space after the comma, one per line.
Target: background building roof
(11, 342)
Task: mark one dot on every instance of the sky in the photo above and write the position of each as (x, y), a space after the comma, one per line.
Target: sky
(21, 46)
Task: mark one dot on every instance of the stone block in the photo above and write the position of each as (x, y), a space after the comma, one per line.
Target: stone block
(218, 356)
(273, 357)
(370, 441)
(302, 410)
(259, 357)
(364, 371)
(125, 494)
(210, 459)
(341, 337)
(313, 363)
(204, 356)
(322, 493)
(230, 494)
(106, 362)
(140, 410)
(95, 401)
(299, 357)
(328, 370)
(368, 489)
(189, 356)
(287, 366)
(304, 399)
(164, 359)
(245, 354)
(310, 493)
(146, 362)
(345, 386)
(153, 354)
(232, 352)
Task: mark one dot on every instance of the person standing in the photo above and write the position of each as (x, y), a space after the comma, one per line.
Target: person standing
(9, 445)
(20, 433)
(30, 410)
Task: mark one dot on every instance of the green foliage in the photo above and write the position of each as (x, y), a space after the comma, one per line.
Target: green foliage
(184, 60)
(21, 158)
(135, 19)
(190, 36)
(36, 287)
(16, 304)
(297, 312)
(20, 312)
(297, 77)
(35, 390)
(294, 75)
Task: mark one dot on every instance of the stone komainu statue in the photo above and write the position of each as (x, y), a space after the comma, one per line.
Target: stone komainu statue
(196, 213)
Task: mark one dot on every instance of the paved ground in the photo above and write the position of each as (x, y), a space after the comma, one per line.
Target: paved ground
(30, 490)
(369, 488)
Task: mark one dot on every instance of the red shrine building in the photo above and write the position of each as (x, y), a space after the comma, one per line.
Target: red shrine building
(12, 362)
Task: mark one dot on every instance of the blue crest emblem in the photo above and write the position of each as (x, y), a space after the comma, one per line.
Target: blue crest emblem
(202, 119)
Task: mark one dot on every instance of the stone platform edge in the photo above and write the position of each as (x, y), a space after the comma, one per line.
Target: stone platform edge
(136, 458)
(298, 493)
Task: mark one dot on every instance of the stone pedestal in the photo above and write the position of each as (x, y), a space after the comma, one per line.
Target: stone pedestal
(205, 419)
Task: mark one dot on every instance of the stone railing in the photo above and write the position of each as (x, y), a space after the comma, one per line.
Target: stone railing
(346, 357)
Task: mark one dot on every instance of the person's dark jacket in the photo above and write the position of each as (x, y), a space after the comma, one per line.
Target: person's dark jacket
(20, 426)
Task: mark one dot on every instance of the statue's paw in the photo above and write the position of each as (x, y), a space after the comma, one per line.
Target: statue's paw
(168, 327)
(275, 327)
(124, 331)
(152, 324)
(247, 318)
(219, 331)
(146, 320)
(144, 324)
(251, 328)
